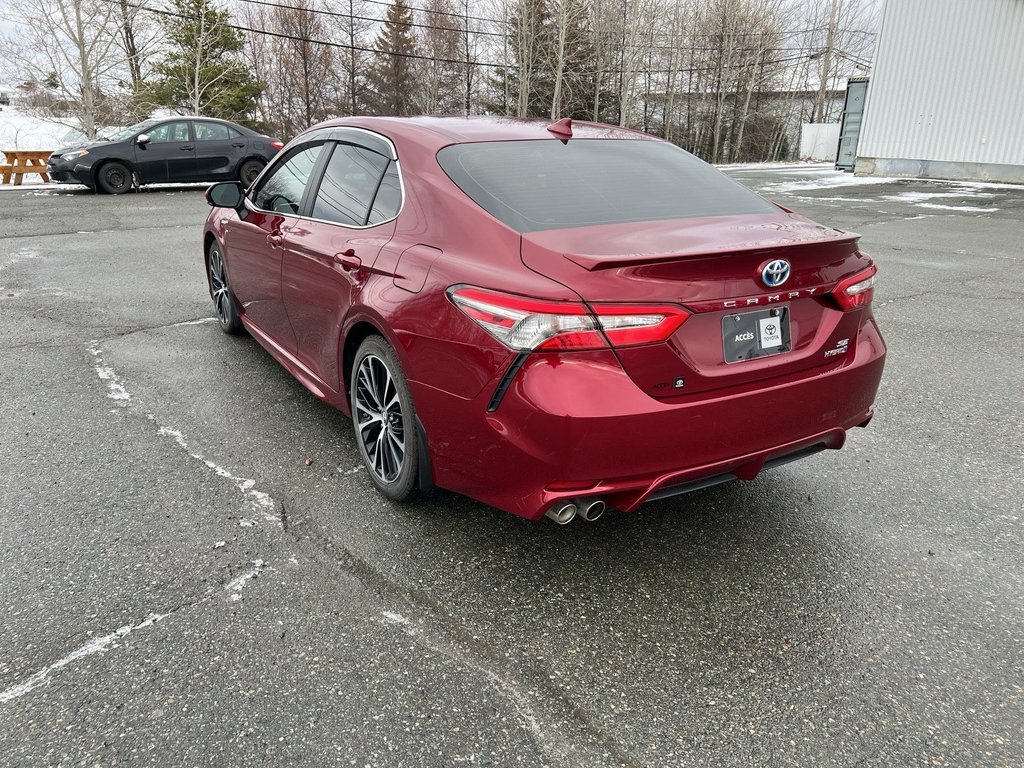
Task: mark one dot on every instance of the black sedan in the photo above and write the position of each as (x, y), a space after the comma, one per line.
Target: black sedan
(175, 149)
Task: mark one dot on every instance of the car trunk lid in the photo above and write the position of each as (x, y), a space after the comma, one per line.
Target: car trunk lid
(713, 267)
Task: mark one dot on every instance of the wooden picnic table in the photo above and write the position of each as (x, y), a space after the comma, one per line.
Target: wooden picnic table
(18, 162)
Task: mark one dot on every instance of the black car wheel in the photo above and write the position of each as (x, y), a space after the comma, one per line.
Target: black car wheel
(384, 420)
(114, 178)
(223, 300)
(249, 170)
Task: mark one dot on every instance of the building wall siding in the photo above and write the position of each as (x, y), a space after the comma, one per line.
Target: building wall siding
(947, 86)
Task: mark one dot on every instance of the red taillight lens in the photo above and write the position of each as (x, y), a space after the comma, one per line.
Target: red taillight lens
(857, 290)
(277, 144)
(629, 325)
(525, 324)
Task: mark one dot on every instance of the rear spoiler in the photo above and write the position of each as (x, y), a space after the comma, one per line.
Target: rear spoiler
(701, 250)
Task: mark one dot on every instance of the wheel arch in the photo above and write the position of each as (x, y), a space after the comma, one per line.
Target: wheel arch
(252, 156)
(356, 334)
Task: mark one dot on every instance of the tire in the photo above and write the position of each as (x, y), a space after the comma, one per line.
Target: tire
(390, 453)
(220, 291)
(248, 171)
(114, 178)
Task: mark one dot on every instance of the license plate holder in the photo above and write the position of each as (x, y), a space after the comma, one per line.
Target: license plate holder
(750, 335)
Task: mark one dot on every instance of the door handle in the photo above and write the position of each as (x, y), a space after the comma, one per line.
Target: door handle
(275, 239)
(187, 148)
(349, 261)
(238, 144)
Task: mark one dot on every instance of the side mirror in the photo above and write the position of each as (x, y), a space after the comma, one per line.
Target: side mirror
(227, 194)
(142, 138)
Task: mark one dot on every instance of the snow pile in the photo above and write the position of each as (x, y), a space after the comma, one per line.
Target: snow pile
(22, 131)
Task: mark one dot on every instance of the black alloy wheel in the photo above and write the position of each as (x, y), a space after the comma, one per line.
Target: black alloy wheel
(384, 420)
(223, 300)
(114, 178)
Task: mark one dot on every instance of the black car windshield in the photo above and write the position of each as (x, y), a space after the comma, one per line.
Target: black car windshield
(545, 184)
(127, 133)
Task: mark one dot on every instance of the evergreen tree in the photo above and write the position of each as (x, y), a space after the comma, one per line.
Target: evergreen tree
(391, 78)
(201, 72)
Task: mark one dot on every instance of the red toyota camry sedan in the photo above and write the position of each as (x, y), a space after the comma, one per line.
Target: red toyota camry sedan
(552, 319)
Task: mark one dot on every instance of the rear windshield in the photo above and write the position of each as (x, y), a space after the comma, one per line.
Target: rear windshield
(545, 184)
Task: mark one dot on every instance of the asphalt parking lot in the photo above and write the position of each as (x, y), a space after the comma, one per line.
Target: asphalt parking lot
(179, 586)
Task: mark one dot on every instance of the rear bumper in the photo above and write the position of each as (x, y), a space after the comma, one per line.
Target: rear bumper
(577, 425)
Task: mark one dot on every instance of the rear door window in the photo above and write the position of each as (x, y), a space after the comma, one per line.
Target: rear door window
(281, 189)
(349, 185)
(212, 132)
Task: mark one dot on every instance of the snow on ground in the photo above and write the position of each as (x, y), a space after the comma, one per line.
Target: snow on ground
(824, 178)
(777, 167)
(22, 131)
(801, 179)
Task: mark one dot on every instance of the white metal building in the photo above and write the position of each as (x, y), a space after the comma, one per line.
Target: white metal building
(946, 96)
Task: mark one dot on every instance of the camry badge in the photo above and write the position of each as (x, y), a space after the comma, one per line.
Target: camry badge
(775, 273)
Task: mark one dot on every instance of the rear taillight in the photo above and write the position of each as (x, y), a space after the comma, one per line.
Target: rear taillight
(277, 144)
(527, 325)
(856, 291)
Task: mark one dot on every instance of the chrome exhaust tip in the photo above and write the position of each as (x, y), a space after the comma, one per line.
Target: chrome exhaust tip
(562, 512)
(591, 509)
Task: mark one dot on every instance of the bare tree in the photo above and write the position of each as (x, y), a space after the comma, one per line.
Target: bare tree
(566, 18)
(352, 29)
(305, 66)
(839, 37)
(71, 45)
(139, 38)
(441, 78)
(604, 39)
(638, 18)
(529, 33)
(470, 50)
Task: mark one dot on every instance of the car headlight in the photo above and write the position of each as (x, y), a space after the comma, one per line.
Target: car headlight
(75, 155)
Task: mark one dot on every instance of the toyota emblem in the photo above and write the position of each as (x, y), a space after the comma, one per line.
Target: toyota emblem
(775, 273)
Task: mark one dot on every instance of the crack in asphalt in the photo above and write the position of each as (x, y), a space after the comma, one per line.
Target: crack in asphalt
(37, 345)
(907, 297)
(108, 642)
(119, 228)
(523, 688)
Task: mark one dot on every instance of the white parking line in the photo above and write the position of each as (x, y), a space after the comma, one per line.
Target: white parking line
(262, 504)
(97, 645)
(107, 642)
(115, 387)
(259, 502)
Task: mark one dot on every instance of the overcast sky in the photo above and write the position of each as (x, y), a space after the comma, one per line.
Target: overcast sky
(6, 28)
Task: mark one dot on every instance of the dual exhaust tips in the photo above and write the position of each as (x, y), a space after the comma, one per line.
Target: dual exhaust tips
(564, 511)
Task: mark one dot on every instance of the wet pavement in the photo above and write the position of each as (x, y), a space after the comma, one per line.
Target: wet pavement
(179, 587)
